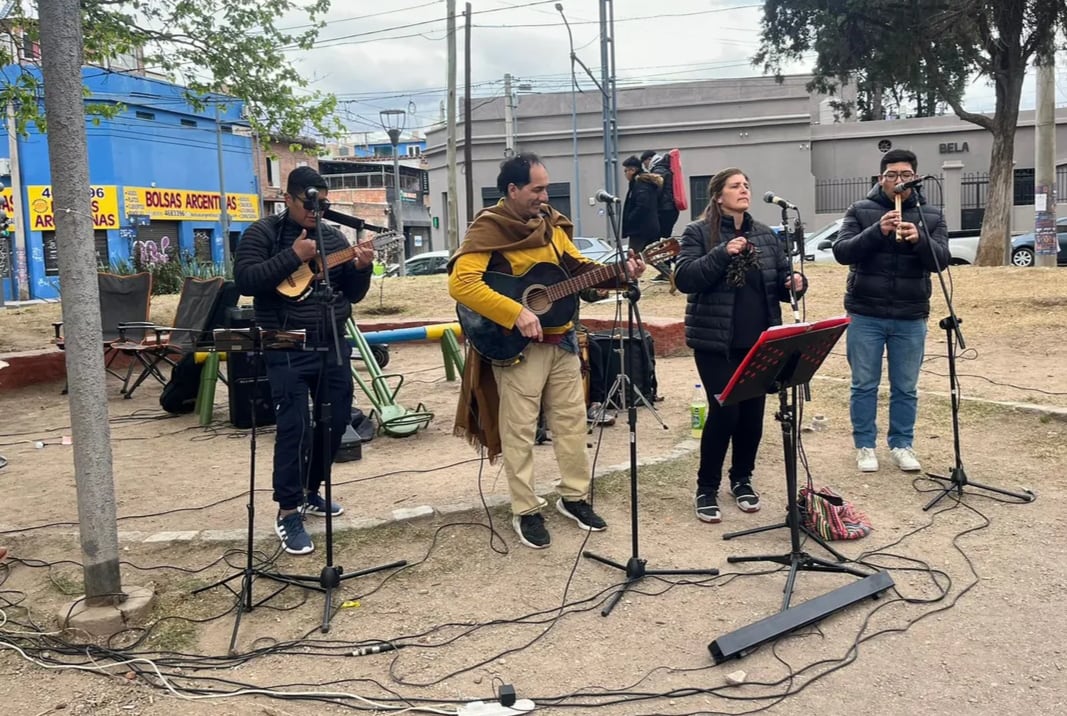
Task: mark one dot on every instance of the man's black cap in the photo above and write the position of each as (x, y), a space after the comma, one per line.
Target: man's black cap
(301, 178)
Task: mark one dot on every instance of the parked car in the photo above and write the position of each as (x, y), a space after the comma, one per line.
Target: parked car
(963, 245)
(1022, 246)
(595, 249)
(424, 264)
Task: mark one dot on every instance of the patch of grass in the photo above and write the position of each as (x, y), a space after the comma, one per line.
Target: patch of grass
(68, 582)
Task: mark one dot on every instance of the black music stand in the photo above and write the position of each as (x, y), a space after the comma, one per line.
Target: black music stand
(783, 358)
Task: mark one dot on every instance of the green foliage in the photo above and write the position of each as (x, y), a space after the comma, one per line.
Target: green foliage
(233, 48)
(167, 275)
(885, 49)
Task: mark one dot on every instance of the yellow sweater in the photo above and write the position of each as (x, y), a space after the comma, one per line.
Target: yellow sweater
(465, 283)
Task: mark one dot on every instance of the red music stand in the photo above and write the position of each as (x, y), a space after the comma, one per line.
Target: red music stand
(785, 357)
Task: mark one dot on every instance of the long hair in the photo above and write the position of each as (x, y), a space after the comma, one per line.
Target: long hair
(713, 214)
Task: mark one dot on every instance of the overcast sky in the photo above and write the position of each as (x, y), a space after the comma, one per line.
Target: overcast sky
(393, 53)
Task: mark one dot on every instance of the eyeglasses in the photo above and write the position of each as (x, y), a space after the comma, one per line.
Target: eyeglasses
(893, 176)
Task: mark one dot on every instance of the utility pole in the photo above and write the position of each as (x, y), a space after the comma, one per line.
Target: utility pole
(222, 192)
(450, 153)
(468, 155)
(20, 273)
(1045, 242)
(607, 84)
(61, 64)
(509, 118)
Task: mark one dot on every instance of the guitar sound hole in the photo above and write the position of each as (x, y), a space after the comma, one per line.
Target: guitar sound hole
(536, 299)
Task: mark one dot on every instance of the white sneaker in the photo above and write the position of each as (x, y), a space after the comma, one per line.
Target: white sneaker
(905, 459)
(866, 460)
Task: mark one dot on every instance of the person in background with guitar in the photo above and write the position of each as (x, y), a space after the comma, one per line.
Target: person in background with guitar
(736, 273)
(269, 251)
(500, 400)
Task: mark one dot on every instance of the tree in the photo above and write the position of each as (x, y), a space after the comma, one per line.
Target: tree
(930, 47)
(233, 48)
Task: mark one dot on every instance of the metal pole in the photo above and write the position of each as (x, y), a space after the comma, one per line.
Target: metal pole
(576, 209)
(394, 135)
(607, 41)
(225, 216)
(468, 158)
(450, 153)
(20, 276)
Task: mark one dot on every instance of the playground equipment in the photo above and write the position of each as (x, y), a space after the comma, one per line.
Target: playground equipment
(393, 418)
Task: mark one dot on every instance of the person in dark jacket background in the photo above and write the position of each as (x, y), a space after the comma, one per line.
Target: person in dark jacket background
(640, 220)
(269, 251)
(660, 165)
(888, 300)
(736, 273)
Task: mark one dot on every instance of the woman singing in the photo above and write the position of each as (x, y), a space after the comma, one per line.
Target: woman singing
(735, 271)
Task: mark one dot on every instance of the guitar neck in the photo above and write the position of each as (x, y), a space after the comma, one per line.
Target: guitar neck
(339, 257)
(583, 281)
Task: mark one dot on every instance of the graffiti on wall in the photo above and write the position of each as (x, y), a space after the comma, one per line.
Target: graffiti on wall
(151, 253)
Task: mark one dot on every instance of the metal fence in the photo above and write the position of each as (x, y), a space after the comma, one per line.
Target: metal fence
(836, 195)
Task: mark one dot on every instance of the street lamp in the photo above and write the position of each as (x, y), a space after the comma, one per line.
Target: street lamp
(393, 123)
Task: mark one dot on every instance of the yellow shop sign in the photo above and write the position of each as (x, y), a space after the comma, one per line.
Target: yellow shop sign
(188, 204)
(104, 205)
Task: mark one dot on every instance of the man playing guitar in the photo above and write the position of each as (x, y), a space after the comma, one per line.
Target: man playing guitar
(500, 400)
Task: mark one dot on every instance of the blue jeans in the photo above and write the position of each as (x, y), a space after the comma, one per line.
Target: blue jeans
(903, 342)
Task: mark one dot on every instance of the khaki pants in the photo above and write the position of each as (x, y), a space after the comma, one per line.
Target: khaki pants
(552, 376)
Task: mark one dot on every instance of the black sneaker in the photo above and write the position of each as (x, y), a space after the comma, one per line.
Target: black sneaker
(290, 530)
(531, 530)
(708, 508)
(747, 498)
(582, 513)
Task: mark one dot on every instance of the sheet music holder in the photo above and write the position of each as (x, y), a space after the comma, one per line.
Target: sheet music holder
(783, 358)
(788, 354)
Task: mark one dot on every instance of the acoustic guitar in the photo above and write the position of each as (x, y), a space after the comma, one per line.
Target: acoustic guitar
(297, 285)
(548, 291)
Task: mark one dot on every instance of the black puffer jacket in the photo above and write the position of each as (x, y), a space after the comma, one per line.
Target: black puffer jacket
(890, 278)
(264, 259)
(701, 273)
(640, 219)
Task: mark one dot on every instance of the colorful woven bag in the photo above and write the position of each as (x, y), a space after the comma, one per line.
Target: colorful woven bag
(831, 516)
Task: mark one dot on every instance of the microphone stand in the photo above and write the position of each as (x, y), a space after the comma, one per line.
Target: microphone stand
(634, 568)
(331, 576)
(794, 245)
(957, 479)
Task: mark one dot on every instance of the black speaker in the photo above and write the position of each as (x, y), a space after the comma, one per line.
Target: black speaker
(640, 365)
(249, 387)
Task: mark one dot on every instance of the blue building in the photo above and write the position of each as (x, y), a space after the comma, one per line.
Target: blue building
(376, 146)
(154, 175)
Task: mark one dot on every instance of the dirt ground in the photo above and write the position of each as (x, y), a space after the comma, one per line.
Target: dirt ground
(474, 608)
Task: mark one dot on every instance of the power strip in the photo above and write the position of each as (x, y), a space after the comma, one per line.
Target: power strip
(493, 708)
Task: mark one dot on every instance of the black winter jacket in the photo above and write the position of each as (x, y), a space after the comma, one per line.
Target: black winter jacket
(887, 278)
(265, 257)
(640, 219)
(701, 273)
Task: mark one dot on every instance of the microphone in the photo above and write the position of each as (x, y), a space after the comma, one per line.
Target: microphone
(770, 198)
(377, 649)
(606, 197)
(901, 188)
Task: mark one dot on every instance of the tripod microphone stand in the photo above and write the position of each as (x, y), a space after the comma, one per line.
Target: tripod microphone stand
(635, 567)
(957, 478)
(250, 571)
(332, 575)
